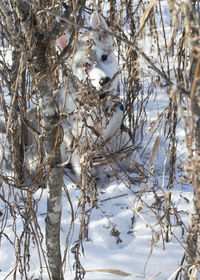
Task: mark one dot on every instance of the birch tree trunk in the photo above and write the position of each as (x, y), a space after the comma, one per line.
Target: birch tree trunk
(54, 183)
(193, 167)
(39, 54)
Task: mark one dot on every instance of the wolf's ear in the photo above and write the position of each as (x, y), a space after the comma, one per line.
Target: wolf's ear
(97, 22)
(62, 41)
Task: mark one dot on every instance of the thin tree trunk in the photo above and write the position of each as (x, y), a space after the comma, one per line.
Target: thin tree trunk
(40, 55)
(192, 28)
(55, 175)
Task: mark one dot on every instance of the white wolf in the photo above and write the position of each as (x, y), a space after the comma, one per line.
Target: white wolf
(91, 110)
(94, 110)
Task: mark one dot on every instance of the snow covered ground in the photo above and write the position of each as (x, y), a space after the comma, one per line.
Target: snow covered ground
(126, 236)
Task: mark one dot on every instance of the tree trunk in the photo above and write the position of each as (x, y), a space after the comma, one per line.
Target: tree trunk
(40, 54)
(193, 167)
(55, 175)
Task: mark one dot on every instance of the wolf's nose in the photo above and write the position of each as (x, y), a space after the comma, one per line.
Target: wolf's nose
(104, 81)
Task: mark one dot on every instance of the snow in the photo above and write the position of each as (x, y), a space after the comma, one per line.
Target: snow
(126, 235)
(141, 250)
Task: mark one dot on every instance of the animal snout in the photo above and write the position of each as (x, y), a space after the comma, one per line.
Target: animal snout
(103, 81)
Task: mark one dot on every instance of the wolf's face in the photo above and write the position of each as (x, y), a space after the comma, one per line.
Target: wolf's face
(94, 61)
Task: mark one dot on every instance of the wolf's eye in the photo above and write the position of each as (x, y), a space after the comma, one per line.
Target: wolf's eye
(104, 57)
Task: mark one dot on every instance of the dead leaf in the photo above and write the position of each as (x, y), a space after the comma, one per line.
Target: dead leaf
(146, 15)
(155, 148)
(113, 271)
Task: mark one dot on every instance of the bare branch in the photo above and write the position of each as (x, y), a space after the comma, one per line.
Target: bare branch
(8, 17)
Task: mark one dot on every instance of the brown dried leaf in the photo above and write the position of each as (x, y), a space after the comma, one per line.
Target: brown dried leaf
(155, 148)
(139, 209)
(113, 271)
(146, 14)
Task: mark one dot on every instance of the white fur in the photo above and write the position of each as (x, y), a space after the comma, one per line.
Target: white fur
(83, 118)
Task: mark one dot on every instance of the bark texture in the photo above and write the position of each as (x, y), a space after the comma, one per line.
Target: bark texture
(193, 167)
(38, 54)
